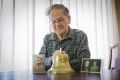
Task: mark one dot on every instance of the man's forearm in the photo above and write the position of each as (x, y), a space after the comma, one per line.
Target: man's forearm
(48, 62)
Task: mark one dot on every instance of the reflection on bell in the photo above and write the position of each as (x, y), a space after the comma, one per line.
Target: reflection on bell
(60, 63)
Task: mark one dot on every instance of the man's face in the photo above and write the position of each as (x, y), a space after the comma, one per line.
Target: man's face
(86, 63)
(60, 22)
(94, 63)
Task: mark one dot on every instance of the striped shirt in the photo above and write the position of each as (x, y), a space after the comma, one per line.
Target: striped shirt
(75, 44)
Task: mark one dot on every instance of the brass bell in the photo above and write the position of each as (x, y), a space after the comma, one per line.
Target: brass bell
(60, 62)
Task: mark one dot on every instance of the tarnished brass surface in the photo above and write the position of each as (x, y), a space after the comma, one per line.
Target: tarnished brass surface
(60, 63)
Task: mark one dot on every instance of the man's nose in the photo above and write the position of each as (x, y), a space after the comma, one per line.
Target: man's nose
(57, 24)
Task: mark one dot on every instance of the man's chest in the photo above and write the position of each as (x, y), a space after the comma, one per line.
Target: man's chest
(66, 45)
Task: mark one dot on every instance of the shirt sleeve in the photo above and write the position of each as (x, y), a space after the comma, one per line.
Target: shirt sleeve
(48, 59)
(82, 51)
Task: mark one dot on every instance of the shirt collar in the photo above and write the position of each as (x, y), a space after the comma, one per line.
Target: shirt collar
(69, 35)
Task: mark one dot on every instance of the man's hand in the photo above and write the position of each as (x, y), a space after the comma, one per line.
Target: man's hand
(40, 59)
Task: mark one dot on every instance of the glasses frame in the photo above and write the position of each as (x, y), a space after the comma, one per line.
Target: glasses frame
(59, 20)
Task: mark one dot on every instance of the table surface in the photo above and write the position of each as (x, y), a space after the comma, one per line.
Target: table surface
(29, 75)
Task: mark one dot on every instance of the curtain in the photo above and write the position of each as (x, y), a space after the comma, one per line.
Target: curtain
(23, 24)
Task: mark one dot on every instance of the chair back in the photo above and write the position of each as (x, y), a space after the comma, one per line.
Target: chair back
(117, 59)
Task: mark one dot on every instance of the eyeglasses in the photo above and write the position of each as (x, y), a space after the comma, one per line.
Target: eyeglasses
(60, 20)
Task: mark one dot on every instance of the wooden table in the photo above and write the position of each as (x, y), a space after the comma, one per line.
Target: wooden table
(28, 75)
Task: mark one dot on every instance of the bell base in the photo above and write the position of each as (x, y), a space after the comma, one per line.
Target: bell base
(60, 70)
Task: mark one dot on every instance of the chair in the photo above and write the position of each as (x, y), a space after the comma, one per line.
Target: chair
(117, 59)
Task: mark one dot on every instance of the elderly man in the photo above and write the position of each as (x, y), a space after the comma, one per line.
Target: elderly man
(73, 41)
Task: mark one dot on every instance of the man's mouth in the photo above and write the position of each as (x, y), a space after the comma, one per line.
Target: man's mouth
(60, 27)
